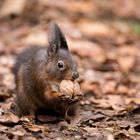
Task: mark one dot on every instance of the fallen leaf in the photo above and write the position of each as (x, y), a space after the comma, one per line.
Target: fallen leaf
(124, 124)
(126, 57)
(88, 49)
(93, 132)
(47, 118)
(36, 38)
(8, 118)
(10, 7)
(126, 63)
(116, 102)
(103, 103)
(122, 89)
(18, 131)
(92, 28)
(86, 116)
(132, 100)
(32, 127)
(109, 87)
(7, 105)
(9, 80)
(4, 93)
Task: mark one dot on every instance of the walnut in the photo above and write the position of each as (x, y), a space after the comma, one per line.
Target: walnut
(68, 87)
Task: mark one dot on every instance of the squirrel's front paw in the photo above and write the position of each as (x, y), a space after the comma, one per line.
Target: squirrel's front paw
(73, 98)
(77, 96)
(66, 98)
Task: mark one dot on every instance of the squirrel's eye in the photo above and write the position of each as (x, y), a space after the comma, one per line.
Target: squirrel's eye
(60, 65)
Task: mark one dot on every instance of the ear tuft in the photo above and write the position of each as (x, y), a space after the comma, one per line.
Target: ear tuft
(56, 37)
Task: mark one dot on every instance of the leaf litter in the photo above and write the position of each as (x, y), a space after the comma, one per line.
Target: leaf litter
(107, 51)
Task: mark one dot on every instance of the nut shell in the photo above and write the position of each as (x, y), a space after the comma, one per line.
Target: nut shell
(69, 87)
(76, 87)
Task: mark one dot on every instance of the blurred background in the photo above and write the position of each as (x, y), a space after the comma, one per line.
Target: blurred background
(103, 35)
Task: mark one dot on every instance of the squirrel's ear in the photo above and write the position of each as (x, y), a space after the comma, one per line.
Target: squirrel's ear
(56, 37)
(52, 50)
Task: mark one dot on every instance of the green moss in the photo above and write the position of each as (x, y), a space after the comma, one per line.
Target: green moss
(135, 27)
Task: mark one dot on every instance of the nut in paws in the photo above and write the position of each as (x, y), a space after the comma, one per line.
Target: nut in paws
(71, 91)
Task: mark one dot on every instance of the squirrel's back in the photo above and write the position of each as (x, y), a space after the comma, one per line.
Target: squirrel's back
(24, 57)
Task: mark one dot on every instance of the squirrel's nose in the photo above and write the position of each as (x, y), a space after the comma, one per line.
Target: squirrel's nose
(75, 75)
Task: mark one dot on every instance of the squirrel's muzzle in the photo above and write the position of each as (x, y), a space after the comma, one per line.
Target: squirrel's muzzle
(75, 75)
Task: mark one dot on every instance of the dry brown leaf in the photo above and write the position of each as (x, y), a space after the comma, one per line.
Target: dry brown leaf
(132, 100)
(108, 133)
(35, 38)
(116, 102)
(88, 49)
(126, 63)
(106, 112)
(127, 8)
(92, 28)
(4, 93)
(7, 105)
(4, 70)
(109, 87)
(122, 89)
(91, 87)
(9, 81)
(124, 124)
(7, 60)
(126, 57)
(46, 118)
(92, 131)
(77, 7)
(18, 131)
(12, 7)
(32, 127)
(103, 103)
(8, 118)
(92, 76)
(86, 116)
(29, 124)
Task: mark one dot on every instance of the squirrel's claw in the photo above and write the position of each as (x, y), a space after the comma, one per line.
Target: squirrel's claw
(78, 96)
(65, 98)
(72, 99)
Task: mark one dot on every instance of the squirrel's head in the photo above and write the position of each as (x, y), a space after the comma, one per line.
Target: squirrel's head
(61, 64)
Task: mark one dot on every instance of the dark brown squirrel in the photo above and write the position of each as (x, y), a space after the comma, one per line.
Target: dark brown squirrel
(37, 69)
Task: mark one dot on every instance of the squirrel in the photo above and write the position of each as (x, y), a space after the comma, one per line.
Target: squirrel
(38, 69)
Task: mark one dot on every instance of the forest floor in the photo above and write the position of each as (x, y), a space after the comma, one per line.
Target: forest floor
(104, 36)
